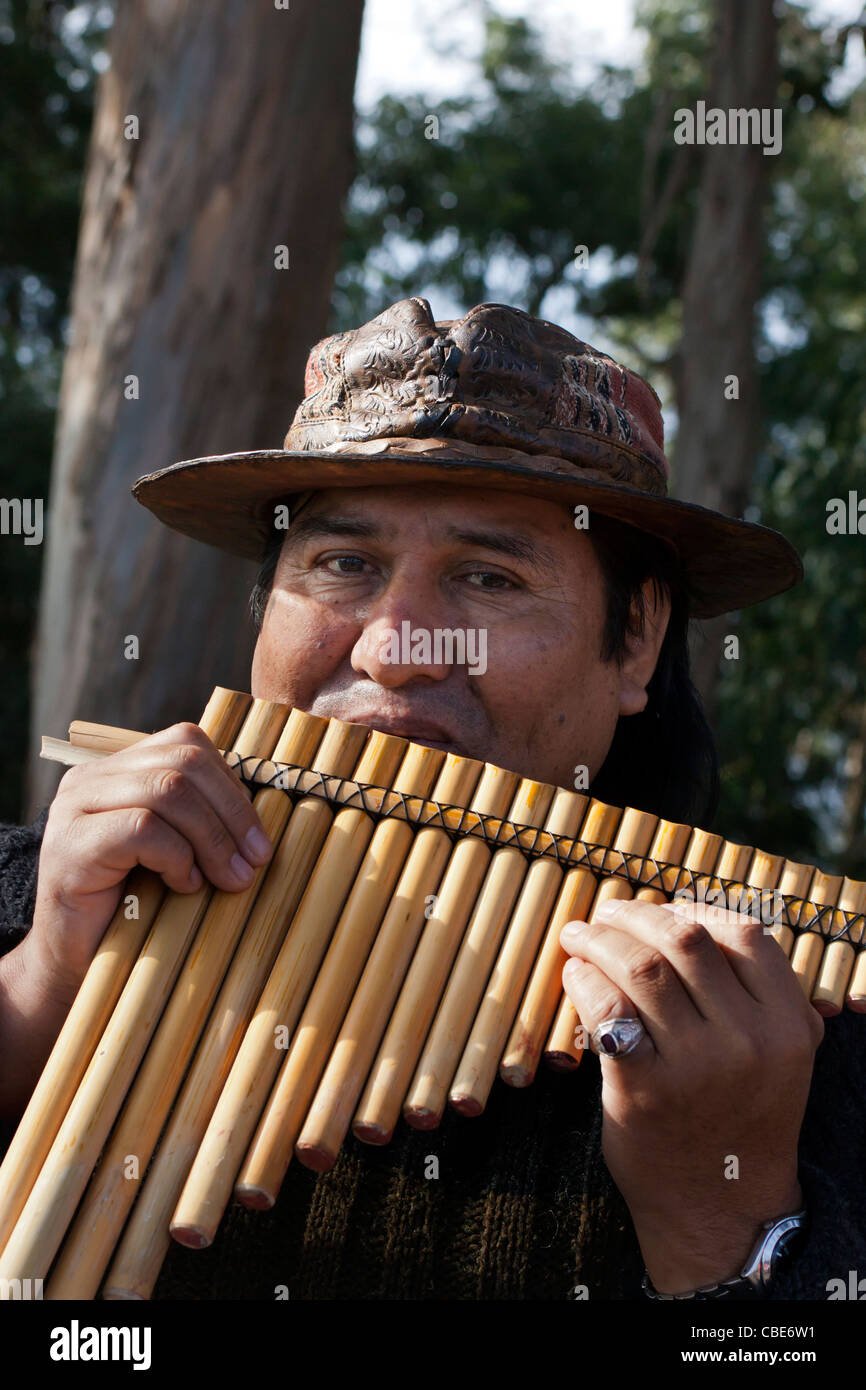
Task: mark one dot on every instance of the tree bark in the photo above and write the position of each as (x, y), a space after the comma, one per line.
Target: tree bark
(717, 437)
(245, 144)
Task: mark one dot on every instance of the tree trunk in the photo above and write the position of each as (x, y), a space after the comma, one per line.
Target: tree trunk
(717, 437)
(244, 144)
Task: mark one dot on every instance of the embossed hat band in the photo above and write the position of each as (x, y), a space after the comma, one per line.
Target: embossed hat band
(495, 400)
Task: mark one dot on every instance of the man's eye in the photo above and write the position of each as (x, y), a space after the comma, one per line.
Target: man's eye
(489, 579)
(345, 564)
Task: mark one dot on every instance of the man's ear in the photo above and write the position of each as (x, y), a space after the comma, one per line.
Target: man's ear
(642, 651)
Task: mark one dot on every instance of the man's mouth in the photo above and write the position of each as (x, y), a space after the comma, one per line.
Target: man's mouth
(431, 735)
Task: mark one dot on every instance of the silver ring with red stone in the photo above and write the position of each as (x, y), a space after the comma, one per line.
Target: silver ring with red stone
(616, 1037)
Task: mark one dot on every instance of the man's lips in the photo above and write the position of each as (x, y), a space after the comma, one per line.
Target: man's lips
(417, 731)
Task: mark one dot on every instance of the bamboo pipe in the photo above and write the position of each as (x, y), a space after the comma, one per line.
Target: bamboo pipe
(566, 1041)
(258, 1059)
(540, 897)
(837, 962)
(794, 880)
(809, 945)
(428, 1093)
(99, 1221)
(541, 1001)
(746, 891)
(634, 836)
(670, 844)
(282, 1119)
(803, 952)
(94, 1002)
(855, 995)
(84, 1129)
(330, 1114)
(107, 738)
(391, 1074)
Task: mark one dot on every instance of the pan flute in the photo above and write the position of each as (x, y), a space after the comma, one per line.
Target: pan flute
(400, 950)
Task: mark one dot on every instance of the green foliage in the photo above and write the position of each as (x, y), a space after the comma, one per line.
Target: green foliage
(527, 166)
(809, 648)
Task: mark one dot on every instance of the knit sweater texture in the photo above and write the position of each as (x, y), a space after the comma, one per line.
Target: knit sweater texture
(516, 1204)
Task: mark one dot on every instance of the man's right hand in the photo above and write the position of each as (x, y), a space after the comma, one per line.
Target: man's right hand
(169, 803)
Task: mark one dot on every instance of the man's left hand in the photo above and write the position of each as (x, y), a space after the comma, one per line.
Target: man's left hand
(702, 1118)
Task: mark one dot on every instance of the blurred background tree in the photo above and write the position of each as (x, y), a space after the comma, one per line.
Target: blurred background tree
(527, 166)
(50, 59)
(219, 157)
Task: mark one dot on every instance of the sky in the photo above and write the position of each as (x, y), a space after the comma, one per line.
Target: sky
(399, 38)
(402, 45)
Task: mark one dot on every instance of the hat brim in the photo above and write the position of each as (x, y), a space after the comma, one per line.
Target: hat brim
(226, 500)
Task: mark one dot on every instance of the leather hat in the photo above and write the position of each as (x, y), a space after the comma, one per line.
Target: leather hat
(497, 399)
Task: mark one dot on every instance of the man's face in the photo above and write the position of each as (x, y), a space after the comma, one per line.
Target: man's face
(511, 571)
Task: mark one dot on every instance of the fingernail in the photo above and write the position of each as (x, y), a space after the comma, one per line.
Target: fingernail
(572, 928)
(607, 909)
(195, 877)
(241, 869)
(258, 844)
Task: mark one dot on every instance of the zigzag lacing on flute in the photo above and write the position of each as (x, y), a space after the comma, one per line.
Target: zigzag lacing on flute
(640, 870)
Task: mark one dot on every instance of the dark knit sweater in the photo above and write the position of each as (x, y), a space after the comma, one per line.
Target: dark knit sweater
(523, 1206)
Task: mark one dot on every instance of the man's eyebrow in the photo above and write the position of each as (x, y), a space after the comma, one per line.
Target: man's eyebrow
(322, 525)
(515, 544)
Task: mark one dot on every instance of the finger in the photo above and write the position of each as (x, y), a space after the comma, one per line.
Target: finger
(187, 748)
(205, 770)
(753, 955)
(702, 968)
(642, 973)
(187, 733)
(175, 798)
(138, 836)
(596, 999)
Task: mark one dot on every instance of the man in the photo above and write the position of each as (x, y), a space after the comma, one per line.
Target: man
(493, 475)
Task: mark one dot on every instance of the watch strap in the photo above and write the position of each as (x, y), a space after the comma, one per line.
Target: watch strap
(755, 1278)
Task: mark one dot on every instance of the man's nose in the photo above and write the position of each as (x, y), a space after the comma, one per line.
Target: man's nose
(400, 642)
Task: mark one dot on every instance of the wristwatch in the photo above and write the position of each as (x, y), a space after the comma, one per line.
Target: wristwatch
(779, 1242)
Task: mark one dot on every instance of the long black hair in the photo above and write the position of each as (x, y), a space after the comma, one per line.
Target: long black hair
(664, 759)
